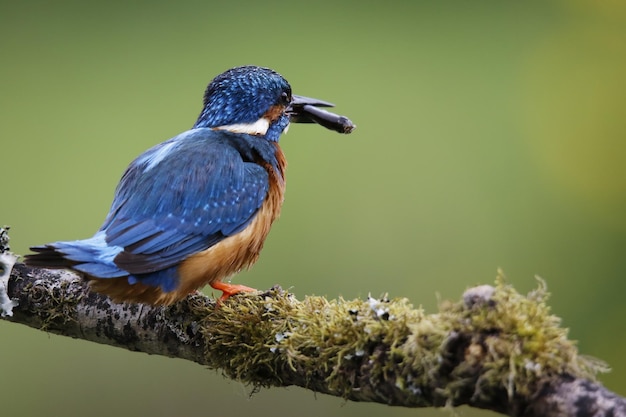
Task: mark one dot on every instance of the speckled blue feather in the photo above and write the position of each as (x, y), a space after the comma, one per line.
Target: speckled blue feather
(208, 187)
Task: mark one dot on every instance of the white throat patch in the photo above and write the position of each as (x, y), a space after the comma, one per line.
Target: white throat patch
(256, 128)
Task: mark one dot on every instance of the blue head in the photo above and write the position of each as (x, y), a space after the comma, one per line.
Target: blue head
(247, 99)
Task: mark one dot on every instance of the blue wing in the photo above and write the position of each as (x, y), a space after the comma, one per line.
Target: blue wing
(182, 197)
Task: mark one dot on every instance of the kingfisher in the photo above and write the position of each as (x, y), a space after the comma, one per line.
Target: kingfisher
(197, 208)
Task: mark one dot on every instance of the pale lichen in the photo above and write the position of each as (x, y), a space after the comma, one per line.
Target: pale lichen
(7, 260)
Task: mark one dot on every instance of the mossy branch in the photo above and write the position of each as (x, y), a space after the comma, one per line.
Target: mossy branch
(494, 349)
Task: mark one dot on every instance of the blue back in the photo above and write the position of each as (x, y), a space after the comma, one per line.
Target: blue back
(185, 195)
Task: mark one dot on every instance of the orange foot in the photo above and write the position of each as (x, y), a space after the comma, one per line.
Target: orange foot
(230, 289)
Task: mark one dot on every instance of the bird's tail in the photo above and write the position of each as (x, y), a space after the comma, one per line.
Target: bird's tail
(92, 256)
(96, 259)
(47, 256)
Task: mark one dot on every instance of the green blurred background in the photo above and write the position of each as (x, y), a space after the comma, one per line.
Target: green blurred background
(490, 134)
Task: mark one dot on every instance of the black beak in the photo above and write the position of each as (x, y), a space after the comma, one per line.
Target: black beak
(306, 110)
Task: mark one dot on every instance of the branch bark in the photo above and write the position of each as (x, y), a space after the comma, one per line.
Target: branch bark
(494, 349)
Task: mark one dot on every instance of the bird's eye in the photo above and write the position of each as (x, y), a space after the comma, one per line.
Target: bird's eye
(284, 98)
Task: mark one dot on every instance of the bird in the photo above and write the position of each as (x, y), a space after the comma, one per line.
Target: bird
(197, 208)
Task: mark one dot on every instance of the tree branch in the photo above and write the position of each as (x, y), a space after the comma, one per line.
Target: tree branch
(494, 349)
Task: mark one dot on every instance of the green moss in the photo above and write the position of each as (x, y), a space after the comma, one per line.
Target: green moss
(315, 338)
(494, 340)
(517, 340)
